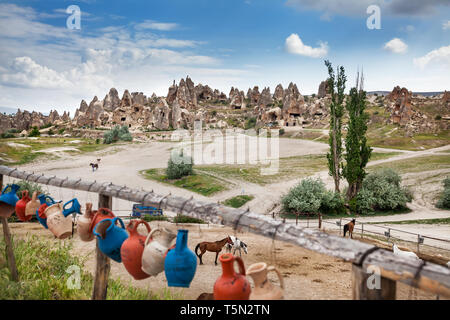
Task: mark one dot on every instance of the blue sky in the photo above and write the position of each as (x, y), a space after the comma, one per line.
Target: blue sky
(145, 45)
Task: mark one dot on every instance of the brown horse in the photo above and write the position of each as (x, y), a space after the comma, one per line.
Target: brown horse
(212, 247)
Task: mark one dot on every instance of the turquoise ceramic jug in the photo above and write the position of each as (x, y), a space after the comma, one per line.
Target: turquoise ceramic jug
(111, 237)
(8, 200)
(74, 208)
(180, 263)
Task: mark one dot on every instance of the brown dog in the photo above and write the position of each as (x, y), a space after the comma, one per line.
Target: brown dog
(349, 227)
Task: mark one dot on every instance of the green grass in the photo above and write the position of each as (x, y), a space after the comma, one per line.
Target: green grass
(42, 266)
(198, 182)
(238, 201)
(417, 164)
(23, 155)
(150, 218)
(422, 221)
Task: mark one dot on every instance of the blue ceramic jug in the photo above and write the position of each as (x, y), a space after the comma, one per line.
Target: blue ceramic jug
(180, 263)
(48, 201)
(75, 208)
(110, 237)
(8, 200)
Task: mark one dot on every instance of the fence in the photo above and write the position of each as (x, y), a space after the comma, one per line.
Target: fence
(426, 276)
(388, 233)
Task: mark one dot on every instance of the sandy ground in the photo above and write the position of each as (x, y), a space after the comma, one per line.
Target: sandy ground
(307, 275)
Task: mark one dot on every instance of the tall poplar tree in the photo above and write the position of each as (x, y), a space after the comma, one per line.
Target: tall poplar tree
(357, 151)
(336, 87)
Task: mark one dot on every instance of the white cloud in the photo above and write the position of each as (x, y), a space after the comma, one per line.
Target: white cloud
(446, 25)
(295, 45)
(25, 72)
(441, 55)
(154, 25)
(396, 45)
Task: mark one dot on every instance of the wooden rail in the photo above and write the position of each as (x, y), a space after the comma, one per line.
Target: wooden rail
(432, 277)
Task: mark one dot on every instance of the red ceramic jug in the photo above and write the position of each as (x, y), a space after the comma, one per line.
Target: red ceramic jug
(132, 249)
(100, 214)
(21, 205)
(41, 211)
(231, 285)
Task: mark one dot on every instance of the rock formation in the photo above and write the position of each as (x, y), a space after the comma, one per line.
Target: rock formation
(401, 110)
(323, 89)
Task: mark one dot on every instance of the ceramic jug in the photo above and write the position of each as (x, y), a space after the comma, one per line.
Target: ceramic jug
(155, 252)
(21, 205)
(8, 200)
(59, 225)
(180, 263)
(75, 207)
(264, 289)
(84, 223)
(32, 206)
(111, 237)
(231, 285)
(45, 201)
(100, 214)
(132, 249)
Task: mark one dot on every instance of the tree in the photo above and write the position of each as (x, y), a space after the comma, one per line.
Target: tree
(336, 87)
(357, 151)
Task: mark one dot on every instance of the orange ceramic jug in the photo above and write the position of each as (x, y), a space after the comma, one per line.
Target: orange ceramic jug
(21, 205)
(132, 249)
(84, 223)
(33, 205)
(231, 285)
(102, 213)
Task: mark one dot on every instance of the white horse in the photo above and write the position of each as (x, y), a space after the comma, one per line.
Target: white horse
(403, 253)
(237, 245)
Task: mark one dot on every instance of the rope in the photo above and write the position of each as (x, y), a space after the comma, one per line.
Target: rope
(160, 202)
(273, 248)
(415, 280)
(236, 224)
(364, 256)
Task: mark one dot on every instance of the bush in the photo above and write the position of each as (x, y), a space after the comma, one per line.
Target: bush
(50, 132)
(182, 166)
(311, 196)
(381, 191)
(7, 135)
(116, 134)
(438, 117)
(186, 219)
(61, 131)
(281, 131)
(34, 132)
(30, 186)
(444, 199)
(250, 123)
(149, 218)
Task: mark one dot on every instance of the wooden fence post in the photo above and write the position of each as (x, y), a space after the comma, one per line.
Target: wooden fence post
(8, 244)
(361, 290)
(103, 265)
(320, 221)
(362, 230)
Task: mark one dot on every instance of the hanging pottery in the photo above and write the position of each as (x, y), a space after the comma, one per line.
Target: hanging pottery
(84, 223)
(264, 289)
(75, 207)
(8, 200)
(45, 201)
(180, 263)
(111, 237)
(21, 206)
(59, 225)
(100, 214)
(132, 249)
(155, 252)
(32, 206)
(231, 285)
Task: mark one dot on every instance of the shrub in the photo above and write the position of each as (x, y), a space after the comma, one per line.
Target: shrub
(381, 191)
(250, 123)
(50, 132)
(7, 135)
(281, 131)
(30, 186)
(311, 196)
(186, 219)
(438, 117)
(116, 134)
(444, 199)
(34, 132)
(149, 218)
(61, 131)
(179, 167)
